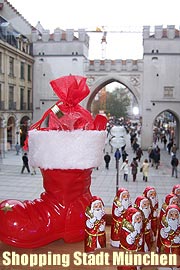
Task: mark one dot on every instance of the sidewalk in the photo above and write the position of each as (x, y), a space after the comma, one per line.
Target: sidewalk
(14, 185)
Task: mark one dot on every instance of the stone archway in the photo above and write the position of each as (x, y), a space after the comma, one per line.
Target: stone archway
(149, 117)
(10, 132)
(24, 126)
(96, 84)
(170, 123)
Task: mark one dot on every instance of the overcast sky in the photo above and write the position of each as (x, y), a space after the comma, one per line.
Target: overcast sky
(116, 15)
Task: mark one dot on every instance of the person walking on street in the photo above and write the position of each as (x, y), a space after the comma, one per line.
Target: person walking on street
(139, 153)
(165, 142)
(33, 171)
(117, 156)
(169, 146)
(125, 169)
(17, 147)
(25, 163)
(124, 155)
(173, 150)
(134, 168)
(157, 156)
(145, 170)
(107, 159)
(174, 163)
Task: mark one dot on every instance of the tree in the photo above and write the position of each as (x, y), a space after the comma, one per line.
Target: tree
(117, 103)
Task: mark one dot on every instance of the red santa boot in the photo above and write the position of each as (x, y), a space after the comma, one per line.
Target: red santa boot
(66, 158)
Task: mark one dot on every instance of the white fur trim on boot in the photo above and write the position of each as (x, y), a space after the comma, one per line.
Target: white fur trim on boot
(78, 149)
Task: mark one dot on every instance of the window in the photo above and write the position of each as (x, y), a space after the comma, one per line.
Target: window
(0, 97)
(0, 62)
(11, 66)
(11, 98)
(29, 99)
(22, 71)
(168, 91)
(29, 73)
(21, 98)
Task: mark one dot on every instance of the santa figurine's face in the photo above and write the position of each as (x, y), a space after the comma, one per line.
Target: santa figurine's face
(152, 194)
(98, 210)
(178, 193)
(145, 207)
(125, 199)
(137, 222)
(174, 200)
(173, 219)
(153, 197)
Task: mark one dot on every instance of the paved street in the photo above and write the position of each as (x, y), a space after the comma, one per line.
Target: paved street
(14, 185)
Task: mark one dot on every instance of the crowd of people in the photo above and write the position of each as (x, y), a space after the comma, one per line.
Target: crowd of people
(153, 158)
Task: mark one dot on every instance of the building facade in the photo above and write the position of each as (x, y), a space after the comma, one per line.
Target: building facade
(16, 77)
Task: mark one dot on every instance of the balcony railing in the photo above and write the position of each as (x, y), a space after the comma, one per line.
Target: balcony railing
(2, 107)
(12, 105)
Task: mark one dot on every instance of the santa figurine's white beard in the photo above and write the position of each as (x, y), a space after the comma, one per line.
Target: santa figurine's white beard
(153, 201)
(173, 223)
(138, 226)
(125, 203)
(146, 212)
(98, 214)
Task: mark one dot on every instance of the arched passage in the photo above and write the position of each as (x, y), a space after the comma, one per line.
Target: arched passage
(167, 122)
(10, 132)
(98, 84)
(24, 125)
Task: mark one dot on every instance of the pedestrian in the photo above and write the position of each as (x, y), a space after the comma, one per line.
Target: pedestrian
(135, 146)
(107, 159)
(139, 153)
(156, 156)
(117, 156)
(125, 169)
(150, 154)
(124, 155)
(169, 146)
(134, 168)
(33, 170)
(174, 164)
(17, 147)
(173, 150)
(165, 142)
(25, 163)
(145, 169)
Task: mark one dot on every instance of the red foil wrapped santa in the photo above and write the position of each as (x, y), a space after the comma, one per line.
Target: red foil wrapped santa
(169, 200)
(169, 231)
(143, 204)
(131, 234)
(176, 191)
(95, 235)
(121, 203)
(151, 194)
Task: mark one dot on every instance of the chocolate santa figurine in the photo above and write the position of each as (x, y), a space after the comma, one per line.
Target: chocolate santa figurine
(169, 200)
(144, 205)
(151, 194)
(120, 204)
(66, 151)
(169, 231)
(176, 191)
(131, 233)
(95, 235)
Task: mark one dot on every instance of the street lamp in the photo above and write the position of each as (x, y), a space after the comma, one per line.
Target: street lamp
(117, 141)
